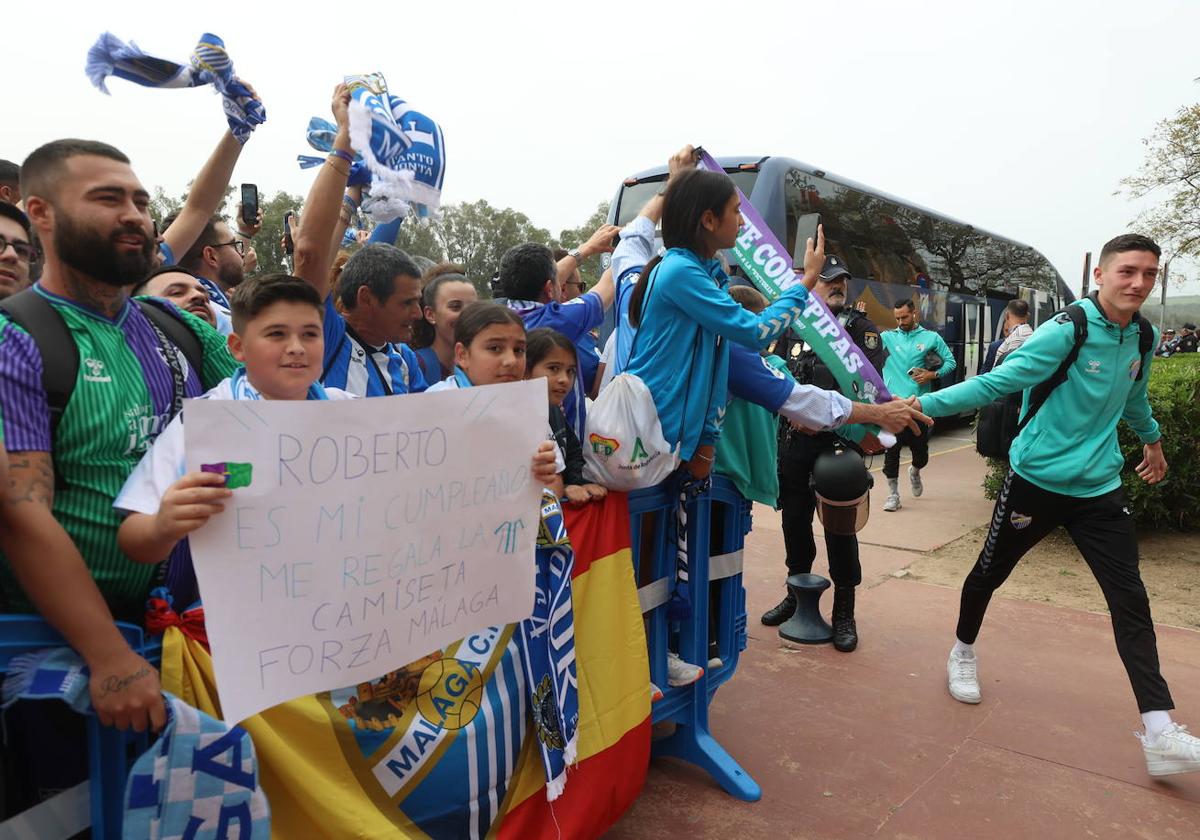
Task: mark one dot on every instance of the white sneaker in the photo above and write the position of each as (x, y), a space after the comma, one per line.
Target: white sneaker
(1173, 751)
(892, 503)
(963, 677)
(680, 672)
(655, 693)
(914, 478)
(715, 662)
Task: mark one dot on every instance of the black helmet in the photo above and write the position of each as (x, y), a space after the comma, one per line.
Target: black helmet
(842, 487)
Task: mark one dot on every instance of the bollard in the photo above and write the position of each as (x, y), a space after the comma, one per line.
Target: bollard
(717, 522)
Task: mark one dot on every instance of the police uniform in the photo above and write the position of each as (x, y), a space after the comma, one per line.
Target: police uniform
(798, 451)
(1188, 343)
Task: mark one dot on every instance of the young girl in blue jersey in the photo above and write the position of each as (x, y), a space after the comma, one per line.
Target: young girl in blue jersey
(684, 313)
(550, 355)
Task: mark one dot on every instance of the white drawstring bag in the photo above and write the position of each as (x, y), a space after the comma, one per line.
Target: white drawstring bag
(624, 448)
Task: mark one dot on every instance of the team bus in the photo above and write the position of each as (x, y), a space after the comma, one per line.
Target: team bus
(961, 277)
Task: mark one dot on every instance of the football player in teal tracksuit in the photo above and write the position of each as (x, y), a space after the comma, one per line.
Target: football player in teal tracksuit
(907, 374)
(1066, 470)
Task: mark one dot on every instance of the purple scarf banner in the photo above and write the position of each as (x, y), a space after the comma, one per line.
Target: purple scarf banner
(769, 266)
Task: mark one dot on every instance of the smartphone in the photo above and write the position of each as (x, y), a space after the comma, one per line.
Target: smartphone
(806, 229)
(250, 204)
(288, 245)
(911, 372)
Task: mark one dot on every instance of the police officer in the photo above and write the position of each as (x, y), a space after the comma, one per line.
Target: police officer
(1189, 341)
(798, 450)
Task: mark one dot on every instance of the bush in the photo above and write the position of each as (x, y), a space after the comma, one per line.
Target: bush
(1175, 398)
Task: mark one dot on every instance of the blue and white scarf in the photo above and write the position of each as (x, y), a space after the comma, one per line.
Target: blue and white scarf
(241, 389)
(321, 134)
(547, 641)
(402, 147)
(209, 65)
(199, 779)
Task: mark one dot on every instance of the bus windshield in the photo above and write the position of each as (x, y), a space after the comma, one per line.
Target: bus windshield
(634, 198)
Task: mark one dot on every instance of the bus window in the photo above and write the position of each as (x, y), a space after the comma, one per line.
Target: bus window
(634, 198)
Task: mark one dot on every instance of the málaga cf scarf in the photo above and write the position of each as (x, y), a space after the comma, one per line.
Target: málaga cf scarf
(547, 642)
(403, 149)
(209, 65)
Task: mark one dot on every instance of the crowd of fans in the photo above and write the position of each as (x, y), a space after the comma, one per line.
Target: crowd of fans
(98, 507)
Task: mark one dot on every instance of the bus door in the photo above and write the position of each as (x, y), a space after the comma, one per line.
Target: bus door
(976, 331)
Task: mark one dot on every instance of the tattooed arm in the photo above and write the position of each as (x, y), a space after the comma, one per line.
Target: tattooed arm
(124, 687)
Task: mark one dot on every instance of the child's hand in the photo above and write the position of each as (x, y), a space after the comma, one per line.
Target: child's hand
(543, 468)
(577, 494)
(188, 503)
(596, 491)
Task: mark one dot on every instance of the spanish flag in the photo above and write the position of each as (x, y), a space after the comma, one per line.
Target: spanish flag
(443, 747)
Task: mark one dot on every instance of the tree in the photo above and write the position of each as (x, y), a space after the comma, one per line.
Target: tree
(1171, 171)
(269, 242)
(574, 237)
(420, 239)
(477, 235)
(163, 205)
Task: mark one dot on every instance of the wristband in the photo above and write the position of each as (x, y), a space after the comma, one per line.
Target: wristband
(350, 202)
(330, 160)
(704, 457)
(346, 156)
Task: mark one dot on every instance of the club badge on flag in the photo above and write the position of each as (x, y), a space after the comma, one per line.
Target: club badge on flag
(209, 64)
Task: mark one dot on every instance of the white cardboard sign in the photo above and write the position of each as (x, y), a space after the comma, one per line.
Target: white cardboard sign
(371, 533)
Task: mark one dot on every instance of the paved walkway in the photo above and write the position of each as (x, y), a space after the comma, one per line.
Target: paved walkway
(870, 744)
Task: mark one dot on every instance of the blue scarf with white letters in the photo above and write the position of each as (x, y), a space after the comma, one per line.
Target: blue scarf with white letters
(209, 65)
(403, 149)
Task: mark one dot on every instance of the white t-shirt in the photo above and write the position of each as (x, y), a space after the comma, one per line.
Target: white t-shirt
(164, 463)
(1012, 341)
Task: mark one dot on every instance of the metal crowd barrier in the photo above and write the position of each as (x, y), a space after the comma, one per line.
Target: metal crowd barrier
(110, 752)
(718, 519)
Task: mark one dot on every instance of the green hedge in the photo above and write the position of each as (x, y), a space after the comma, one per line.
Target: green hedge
(1175, 398)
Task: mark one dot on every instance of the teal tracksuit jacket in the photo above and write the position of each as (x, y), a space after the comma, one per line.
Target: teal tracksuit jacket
(676, 352)
(906, 350)
(1070, 446)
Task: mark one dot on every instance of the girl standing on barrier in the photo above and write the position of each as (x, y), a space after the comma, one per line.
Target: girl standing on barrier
(684, 313)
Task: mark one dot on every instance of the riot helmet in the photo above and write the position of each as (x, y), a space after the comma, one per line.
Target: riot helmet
(842, 487)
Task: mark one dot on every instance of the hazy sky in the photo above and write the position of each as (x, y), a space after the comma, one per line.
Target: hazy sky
(1017, 117)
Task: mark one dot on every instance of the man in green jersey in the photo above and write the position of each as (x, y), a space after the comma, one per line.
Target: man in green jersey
(57, 525)
(907, 374)
(1066, 470)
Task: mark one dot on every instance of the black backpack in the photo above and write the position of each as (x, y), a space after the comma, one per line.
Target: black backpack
(1000, 421)
(60, 357)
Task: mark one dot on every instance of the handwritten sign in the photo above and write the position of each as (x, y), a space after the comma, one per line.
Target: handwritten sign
(363, 534)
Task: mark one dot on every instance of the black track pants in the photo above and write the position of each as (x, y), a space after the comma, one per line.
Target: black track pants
(918, 444)
(1102, 528)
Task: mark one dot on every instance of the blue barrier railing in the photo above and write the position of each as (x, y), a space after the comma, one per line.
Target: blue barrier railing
(110, 752)
(718, 519)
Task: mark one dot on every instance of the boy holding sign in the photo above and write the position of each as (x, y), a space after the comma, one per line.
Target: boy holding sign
(278, 338)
